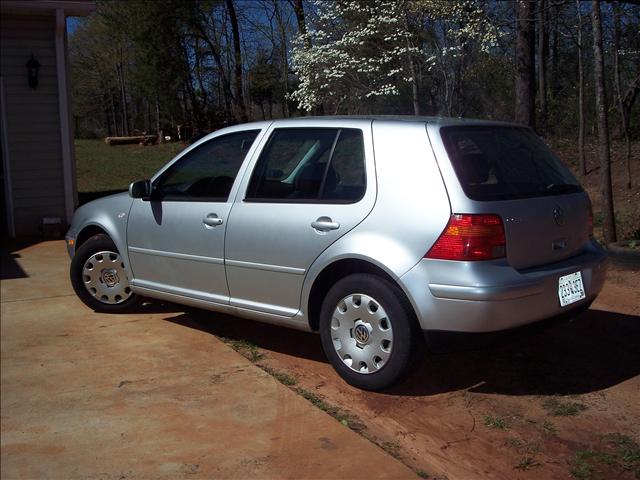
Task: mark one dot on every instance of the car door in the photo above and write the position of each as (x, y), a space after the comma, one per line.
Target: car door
(176, 237)
(308, 187)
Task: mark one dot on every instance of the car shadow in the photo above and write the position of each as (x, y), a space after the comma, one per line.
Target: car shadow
(591, 352)
(265, 336)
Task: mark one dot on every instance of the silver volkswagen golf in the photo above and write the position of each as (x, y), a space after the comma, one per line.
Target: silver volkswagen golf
(372, 231)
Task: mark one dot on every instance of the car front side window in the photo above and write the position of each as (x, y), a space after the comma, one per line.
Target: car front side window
(207, 172)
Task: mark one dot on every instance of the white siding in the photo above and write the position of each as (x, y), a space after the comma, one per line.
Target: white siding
(33, 120)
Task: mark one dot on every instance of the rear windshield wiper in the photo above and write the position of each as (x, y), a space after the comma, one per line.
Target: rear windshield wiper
(553, 189)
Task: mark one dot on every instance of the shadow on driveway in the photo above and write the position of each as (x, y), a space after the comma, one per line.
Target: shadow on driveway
(594, 351)
(9, 267)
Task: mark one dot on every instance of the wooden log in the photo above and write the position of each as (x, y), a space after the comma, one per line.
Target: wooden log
(145, 139)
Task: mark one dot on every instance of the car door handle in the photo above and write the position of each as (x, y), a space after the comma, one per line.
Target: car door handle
(324, 224)
(212, 220)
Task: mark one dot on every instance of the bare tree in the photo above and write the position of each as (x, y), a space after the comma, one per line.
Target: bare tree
(608, 221)
(237, 52)
(582, 161)
(284, 60)
(525, 69)
(542, 63)
(298, 9)
(624, 120)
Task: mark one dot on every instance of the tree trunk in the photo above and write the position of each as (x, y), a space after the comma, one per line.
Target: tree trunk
(284, 60)
(227, 95)
(525, 69)
(298, 10)
(114, 116)
(542, 63)
(239, 97)
(629, 98)
(616, 75)
(608, 222)
(158, 131)
(123, 93)
(553, 49)
(582, 161)
(415, 95)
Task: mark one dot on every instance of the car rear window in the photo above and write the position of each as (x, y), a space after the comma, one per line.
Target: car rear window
(499, 163)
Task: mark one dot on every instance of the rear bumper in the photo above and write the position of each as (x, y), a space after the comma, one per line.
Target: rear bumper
(493, 296)
(442, 341)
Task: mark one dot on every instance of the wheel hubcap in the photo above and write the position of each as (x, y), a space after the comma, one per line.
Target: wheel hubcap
(105, 278)
(361, 333)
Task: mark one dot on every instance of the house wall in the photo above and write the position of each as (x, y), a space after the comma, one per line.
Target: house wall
(32, 120)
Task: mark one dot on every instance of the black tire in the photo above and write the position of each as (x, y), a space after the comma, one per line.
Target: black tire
(97, 243)
(406, 334)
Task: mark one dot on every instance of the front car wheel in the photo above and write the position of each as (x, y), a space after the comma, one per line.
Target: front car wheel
(99, 277)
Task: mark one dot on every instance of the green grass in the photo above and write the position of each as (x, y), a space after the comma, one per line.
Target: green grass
(495, 421)
(562, 408)
(526, 463)
(101, 168)
(283, 378)
(245, 348)
(549, 428)
(619, 453)
(522, 446)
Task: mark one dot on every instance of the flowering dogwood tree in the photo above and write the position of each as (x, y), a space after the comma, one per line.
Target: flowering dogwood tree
(357, 49)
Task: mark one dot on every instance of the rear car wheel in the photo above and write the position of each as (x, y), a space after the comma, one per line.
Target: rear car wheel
(368, 331)
(99, 277)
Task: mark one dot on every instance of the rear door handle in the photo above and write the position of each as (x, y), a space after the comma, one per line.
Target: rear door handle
(324, 224)
(212, 220)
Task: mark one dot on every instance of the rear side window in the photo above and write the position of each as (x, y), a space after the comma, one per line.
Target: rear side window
(321, 165)
(500, 163)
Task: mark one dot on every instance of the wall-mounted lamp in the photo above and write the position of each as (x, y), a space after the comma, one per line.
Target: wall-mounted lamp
(33, 66)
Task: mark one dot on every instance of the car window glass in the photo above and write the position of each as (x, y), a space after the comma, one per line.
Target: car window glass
(494, 163)
(292, 165)
(346, 177)
(208, 171)
(307, 164)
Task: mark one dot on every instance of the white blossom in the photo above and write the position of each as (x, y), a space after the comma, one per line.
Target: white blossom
(363, 48)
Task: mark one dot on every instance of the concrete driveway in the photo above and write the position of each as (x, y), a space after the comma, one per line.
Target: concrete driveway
(88, 395)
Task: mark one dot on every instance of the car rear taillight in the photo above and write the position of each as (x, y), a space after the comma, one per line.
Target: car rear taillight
(470, 237)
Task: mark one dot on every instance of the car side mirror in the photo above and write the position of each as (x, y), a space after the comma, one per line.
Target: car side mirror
(140, 189)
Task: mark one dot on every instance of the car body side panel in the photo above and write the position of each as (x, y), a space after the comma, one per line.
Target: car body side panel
(172, 250)
(270, 246)
(108, 213)
(411, 208)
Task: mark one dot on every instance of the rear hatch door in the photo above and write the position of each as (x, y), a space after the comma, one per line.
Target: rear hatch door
(509, 171)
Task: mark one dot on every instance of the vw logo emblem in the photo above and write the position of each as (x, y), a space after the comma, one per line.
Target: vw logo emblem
(361, 334)
(558, 216)
(110, 278)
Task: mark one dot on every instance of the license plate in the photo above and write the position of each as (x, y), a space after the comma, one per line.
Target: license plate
(570, 289)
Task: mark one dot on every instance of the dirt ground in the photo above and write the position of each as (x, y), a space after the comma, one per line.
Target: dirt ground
(146, 396)
(557, 402)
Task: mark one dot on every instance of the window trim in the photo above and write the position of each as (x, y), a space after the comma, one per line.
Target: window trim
(158, 197)
(318, 200)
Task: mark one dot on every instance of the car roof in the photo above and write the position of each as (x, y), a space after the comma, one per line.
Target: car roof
(439, 121)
